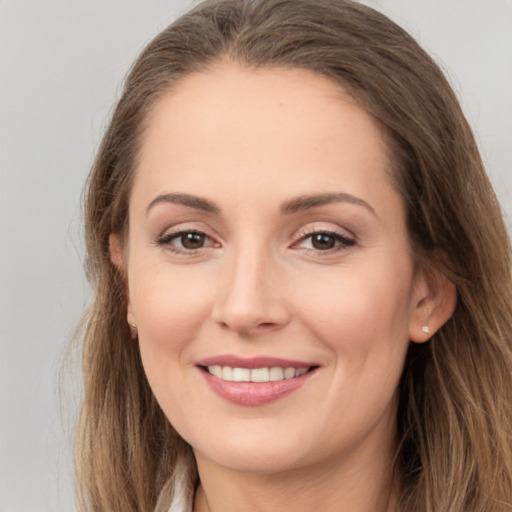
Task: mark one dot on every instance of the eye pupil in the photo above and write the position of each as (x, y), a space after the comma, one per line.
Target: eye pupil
(192, 240)
(323, 241)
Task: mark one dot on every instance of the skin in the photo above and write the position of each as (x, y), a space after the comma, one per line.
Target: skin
(249, 142)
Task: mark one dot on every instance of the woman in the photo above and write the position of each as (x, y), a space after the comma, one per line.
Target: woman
(302, 276)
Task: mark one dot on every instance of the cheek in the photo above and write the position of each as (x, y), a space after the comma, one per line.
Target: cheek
(363, 320)
(369, 303)
(169, 309)
(170, 312)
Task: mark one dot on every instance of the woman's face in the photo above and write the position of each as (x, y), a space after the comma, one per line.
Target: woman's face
(266, 243)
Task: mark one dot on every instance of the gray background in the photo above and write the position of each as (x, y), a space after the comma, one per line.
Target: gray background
(61, 64)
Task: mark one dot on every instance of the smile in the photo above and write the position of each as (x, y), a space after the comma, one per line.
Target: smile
(272, 374)
(255, 381)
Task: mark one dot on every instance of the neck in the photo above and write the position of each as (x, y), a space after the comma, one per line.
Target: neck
(354, 486)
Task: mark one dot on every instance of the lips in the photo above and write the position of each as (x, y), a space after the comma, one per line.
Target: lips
(254, 381)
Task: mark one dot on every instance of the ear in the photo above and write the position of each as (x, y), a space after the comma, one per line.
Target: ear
(434, 301)
(118, 259)
(116, 251)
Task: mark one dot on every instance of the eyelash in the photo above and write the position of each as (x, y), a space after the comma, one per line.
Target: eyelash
(166, 239)
(341, 241)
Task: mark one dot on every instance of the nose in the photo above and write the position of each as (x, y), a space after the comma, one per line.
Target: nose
(251, 299)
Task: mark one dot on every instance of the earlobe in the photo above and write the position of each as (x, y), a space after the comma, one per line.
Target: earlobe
(434, 305)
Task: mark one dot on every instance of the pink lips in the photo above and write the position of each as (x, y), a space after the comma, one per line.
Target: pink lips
(252, 362)
(253, 393)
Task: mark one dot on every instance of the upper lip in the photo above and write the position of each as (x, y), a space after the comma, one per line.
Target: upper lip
(253, 362)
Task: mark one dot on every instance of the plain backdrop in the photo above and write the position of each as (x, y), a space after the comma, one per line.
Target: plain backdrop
(61, 66)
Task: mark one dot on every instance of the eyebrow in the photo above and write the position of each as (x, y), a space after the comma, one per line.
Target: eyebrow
(306, 202)
(195, 202)
(292, 206)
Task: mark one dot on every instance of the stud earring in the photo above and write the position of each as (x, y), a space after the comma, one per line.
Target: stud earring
(426, 329)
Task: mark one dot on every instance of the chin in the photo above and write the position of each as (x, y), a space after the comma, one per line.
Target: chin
(265, 451)
(254, 460)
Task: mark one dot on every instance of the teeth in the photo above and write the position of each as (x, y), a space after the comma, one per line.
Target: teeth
(227, 373)
(216, 370)
(289, 373)
(241, 375)
(276, 374)
(260, 375)
(256, 374)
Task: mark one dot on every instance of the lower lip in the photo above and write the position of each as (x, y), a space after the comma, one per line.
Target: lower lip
(254, 393)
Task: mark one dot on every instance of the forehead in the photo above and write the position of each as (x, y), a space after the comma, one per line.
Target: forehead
(289, 127)
(264, 100)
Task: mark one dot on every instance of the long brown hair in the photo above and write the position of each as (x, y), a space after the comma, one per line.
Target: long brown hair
(454, 423)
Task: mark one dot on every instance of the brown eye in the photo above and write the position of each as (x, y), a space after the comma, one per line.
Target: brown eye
(323, 241)
(192, 240)
(185, 241)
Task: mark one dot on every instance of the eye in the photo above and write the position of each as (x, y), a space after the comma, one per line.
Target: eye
(191, 240)
(184, 241)
(325, 241)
